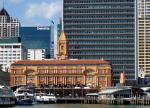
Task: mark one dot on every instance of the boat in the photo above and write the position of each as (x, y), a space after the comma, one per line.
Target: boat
(7, 98)
(24, 96)
(45, 98)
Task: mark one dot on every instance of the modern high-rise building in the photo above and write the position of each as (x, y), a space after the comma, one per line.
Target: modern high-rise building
(103, 29)
(10, 52)
(37, 38)
(59, 29)
(36, 54)
(9, 26)
(10, 42)
(144, 37)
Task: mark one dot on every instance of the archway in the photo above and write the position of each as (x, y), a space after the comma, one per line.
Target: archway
(30, 78)
(90, 77)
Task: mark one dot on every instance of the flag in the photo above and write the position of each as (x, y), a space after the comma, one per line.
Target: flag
(52, 21)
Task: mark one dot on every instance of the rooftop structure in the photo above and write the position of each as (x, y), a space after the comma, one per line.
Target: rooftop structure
(9, 26)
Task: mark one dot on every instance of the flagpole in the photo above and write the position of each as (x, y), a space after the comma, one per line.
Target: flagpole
(52, 40)
(62, 16)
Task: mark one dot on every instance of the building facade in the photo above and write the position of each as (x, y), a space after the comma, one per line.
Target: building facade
(36, 54)
(9, 26)
(37, 38)
(10, 42)
(95, 73)
(4, 77)
(63, 72)
(10, 52)
(144, 37)
(106, 29)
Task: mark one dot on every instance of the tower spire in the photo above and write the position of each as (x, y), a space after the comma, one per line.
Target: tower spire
(62, 47)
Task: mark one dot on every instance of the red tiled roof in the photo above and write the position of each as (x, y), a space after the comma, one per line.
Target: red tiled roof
(60, 62)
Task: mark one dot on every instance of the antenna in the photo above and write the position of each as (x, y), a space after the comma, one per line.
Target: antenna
(123, 69)
(3, 3)
(62, 16)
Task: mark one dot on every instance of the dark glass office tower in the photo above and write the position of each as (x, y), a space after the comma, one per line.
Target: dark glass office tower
(59, 29)
(105, 29)
(36, 38)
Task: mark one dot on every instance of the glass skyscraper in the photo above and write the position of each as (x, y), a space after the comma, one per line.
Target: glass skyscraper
(10, 42)
(59, 29)
(103, 29)
(36, 38)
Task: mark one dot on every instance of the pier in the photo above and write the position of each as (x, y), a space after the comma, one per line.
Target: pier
(134, 100)
(85, 95)
(68, 95)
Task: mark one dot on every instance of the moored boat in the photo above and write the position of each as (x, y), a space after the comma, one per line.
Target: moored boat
(24, 96)
(45, 98)
(7, 98)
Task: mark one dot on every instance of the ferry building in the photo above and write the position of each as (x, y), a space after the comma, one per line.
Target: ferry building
(63, 71)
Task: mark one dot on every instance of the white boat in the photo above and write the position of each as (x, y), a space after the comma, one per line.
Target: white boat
(24, 96)
(45, 98)
(7, 98)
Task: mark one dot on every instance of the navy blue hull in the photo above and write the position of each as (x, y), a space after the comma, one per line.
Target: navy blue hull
(8, 105)
(25, 102)
(45, 102)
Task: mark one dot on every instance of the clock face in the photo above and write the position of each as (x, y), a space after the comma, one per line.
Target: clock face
(62, 57)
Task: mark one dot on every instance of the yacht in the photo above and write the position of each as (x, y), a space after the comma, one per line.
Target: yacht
(45, 98)
(7, 98)
(24, 96)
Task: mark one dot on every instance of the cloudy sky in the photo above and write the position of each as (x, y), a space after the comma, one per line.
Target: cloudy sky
(34, 12)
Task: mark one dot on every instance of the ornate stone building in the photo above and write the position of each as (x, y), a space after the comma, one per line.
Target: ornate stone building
(95, 73)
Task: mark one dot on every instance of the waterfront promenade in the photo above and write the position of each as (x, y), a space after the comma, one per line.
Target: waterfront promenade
(124, 95)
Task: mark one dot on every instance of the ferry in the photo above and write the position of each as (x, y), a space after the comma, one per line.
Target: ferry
(24, 96)
(7, 98)
(45, 98)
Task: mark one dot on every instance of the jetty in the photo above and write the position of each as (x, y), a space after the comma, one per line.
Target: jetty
(125, 95)
(122, 95)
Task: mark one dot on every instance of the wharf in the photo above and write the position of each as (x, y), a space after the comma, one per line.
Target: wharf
(111, 96)
(119, 101)
(71, 100)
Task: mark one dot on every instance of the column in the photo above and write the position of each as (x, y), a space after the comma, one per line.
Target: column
(84, 80)
(54, 80)
(65, 80)
(74, 81)
(47, 80)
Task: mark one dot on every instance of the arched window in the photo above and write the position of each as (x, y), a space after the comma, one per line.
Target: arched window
(62, 47)
(90, 72)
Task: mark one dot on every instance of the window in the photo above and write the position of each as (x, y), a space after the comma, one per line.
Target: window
(89, 78)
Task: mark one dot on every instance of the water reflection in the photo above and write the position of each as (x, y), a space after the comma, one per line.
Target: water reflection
(81, 106)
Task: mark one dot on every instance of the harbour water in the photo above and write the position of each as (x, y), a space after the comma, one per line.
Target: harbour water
(81, 106)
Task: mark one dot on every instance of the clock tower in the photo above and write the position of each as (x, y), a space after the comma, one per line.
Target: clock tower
(62, 47)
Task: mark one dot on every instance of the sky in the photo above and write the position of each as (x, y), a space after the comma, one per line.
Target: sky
(34, 12)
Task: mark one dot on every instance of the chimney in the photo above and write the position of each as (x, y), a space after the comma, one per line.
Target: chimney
(122, 78)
